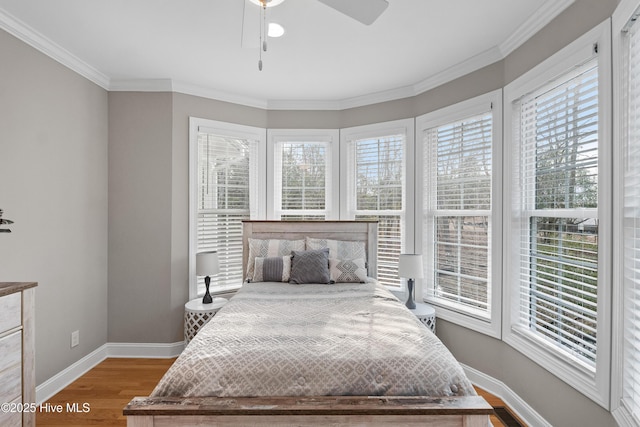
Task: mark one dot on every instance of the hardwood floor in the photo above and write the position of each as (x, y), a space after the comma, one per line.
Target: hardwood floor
(107, 389)
(103, 391)
(504, 417)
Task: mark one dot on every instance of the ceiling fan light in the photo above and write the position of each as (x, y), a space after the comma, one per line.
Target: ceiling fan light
(270, 3)
(275, 30)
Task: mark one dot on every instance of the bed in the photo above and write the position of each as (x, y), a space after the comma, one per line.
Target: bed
(304, 354)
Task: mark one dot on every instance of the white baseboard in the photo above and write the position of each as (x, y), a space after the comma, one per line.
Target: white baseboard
(624, 418)
(519, 407)
(145, 350)
(65, 377)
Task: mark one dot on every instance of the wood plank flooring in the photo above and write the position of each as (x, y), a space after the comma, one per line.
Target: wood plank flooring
(503, 417)
(109, 386)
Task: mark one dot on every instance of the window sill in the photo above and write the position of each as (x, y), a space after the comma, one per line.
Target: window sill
(569, 369)
(476, 323)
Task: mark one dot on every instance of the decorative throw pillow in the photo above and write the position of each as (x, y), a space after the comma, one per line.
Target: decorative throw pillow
(269, 248)
(272, 269)
(339, 249)
(347, 271)
(310, 267)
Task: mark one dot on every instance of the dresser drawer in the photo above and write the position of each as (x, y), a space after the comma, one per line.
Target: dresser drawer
(10, 311)
(11, 419)
(11, 367)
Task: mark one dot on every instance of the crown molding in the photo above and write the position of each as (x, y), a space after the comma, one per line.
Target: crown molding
(295, 104)
(544, 15)
(535, 23)
(33, 38)
(374, 98)
(343, 104)
(168, 85)
(470, 65)
(140, 85)
(219, 95)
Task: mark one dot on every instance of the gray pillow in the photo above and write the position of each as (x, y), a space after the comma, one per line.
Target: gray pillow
(272, 269)
(310, 267)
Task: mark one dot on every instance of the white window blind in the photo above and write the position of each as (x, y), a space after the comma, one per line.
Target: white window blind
(631, 224)
(224, 185)
(378, 178)
(557, 135)
(457, 206)
(302, 180)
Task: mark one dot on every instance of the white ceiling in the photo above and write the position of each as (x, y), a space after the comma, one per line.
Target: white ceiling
(195, 46)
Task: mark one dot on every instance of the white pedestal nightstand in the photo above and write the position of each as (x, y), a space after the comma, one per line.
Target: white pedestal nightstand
(197, 314)
(426, 314)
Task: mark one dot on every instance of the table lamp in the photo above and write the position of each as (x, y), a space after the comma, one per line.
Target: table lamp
(410, 267)
(207, 264)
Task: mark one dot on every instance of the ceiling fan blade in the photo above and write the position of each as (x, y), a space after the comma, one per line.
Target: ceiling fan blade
(365, 11)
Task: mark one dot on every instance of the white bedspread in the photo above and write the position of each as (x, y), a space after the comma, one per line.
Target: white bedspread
(277, 339)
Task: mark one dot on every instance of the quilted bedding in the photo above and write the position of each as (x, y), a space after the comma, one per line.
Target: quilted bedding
(277, 339)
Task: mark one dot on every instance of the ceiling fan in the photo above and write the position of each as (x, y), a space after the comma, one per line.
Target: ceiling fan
(364, 11)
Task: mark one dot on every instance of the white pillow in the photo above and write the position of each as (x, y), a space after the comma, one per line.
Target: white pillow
(339, 249)
(347, 271)
(269, 248)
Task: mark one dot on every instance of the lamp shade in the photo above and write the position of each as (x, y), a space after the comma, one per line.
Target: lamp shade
(410, 266)
(207, 264)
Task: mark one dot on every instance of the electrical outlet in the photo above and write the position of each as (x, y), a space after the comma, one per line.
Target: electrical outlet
(75, 338)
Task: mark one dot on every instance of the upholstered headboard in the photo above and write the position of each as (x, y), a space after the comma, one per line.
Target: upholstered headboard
(361, 231)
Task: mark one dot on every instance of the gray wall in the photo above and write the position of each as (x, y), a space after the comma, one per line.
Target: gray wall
(53, 184)
(140, 227)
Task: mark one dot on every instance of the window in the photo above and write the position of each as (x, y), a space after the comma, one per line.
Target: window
(626, 400)
(559, 250)
(559, 255)
(303, 182)
(376, 170)
(457, 147)
(225, 159)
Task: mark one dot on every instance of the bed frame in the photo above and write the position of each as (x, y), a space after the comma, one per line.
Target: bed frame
(359, 231)
(467, 411)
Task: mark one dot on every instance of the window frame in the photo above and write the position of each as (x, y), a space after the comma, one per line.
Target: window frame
(258, 194)
(482, 104)
(592, 383)
(347, 196)
(621, 18)
(332, 139)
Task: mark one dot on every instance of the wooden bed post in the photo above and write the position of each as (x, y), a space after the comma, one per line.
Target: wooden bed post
(140, 421)
(382, 411)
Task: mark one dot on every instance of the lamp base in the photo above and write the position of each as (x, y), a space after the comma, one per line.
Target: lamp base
(207, 296)
(410, 303)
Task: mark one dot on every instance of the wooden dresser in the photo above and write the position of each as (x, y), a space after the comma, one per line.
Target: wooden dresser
(17, 351)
